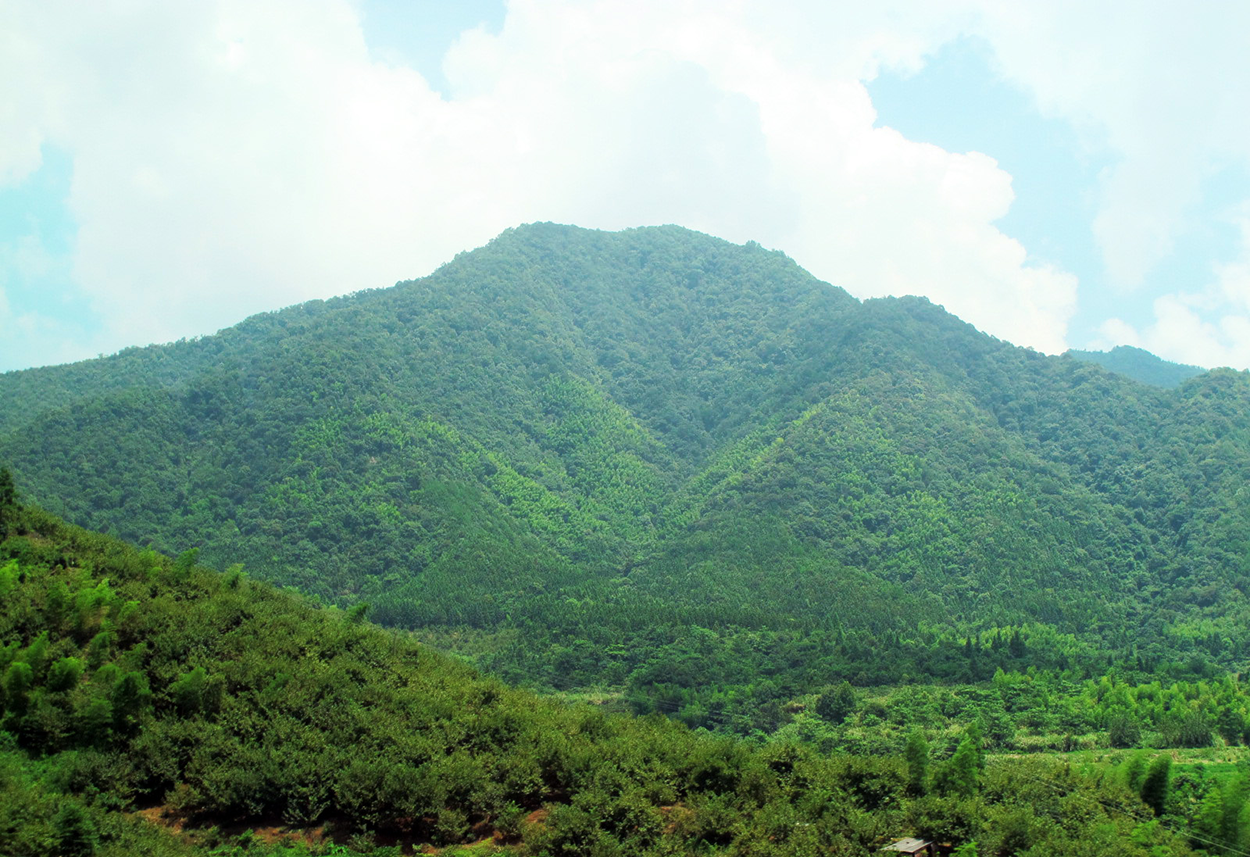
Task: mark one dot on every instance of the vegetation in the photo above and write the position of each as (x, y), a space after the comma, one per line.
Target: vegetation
(659, 462)
(1139, 365)
(132, 681)
(919, 570)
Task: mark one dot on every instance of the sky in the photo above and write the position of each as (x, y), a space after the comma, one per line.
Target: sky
(1060, 175)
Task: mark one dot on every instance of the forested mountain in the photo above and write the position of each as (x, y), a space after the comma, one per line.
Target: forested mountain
(151, 706)
(1140, 365)
(656, 459)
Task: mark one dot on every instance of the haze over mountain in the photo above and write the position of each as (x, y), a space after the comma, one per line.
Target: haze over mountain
(1140, 365)
(587, 457)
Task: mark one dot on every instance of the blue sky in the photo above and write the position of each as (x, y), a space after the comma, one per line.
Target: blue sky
(1057, 176)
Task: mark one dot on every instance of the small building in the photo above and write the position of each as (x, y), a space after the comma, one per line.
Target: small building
(914, 847)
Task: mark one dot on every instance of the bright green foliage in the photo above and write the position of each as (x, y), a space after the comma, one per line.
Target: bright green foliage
(917, 755)
(961, 774)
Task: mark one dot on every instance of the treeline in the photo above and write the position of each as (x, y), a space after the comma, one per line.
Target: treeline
(131, 680)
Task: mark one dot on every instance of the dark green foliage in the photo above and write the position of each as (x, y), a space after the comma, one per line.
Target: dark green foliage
(18, 679)
(1123, 730)
(1156, 786)
(64, 675)
(74, 831)
(192, 691)
(836, 703)
(8, 491)
(1135, 772)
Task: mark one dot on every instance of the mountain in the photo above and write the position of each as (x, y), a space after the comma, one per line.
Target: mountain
(154, 706)
(658, 460)
(1140, 365)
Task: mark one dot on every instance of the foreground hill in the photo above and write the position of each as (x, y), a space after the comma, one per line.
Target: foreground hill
(658, 459)
(139, 689)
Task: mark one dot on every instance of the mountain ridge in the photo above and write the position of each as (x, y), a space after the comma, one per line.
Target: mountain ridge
(566, 428)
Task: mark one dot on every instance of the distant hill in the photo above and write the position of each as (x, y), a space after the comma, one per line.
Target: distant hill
(658, 460)
(1140, 365)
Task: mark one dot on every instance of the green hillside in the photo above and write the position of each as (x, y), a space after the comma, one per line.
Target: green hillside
(1140, 365)
(661, 462)
(153, 706)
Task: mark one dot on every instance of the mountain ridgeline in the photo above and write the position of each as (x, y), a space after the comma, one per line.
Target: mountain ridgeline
(1140, 365)
(659, 460)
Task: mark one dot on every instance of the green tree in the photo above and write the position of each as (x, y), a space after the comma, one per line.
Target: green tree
(8, 492)
(1123, 730)
(64, 674)
(1135, 771)
(74, 830)
(18, 679)
(917, 755)
(130, 696)
(188, 691)
(1156, 787)
(836, 703)
(961, 775)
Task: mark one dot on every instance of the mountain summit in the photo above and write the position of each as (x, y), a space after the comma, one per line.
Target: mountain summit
(585, 455)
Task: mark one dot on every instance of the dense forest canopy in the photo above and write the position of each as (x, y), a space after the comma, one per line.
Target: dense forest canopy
(657, 461)
(1140, 365)
(243, 720)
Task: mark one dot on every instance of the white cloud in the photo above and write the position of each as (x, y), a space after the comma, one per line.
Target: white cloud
(231, 156)
(1163, 84)
(1180, 333)
(1207, 328)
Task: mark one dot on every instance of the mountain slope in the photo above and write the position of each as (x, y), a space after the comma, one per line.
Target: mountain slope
(578, 448)
(1140, 365)
(138, 688)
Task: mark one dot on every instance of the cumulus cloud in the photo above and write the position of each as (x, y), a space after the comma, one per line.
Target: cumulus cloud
(1210, 327)
(1162, 84)
(231, 157)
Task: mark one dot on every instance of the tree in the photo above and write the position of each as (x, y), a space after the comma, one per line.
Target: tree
(917, 755)
(129, 698)
(1135, 771)
(836, 703)
(962, 774)
(17, 682)
(188, 691)
(8, 491)
(75, 832)
(1123, 730)
(1157, 785)
(64, 675)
